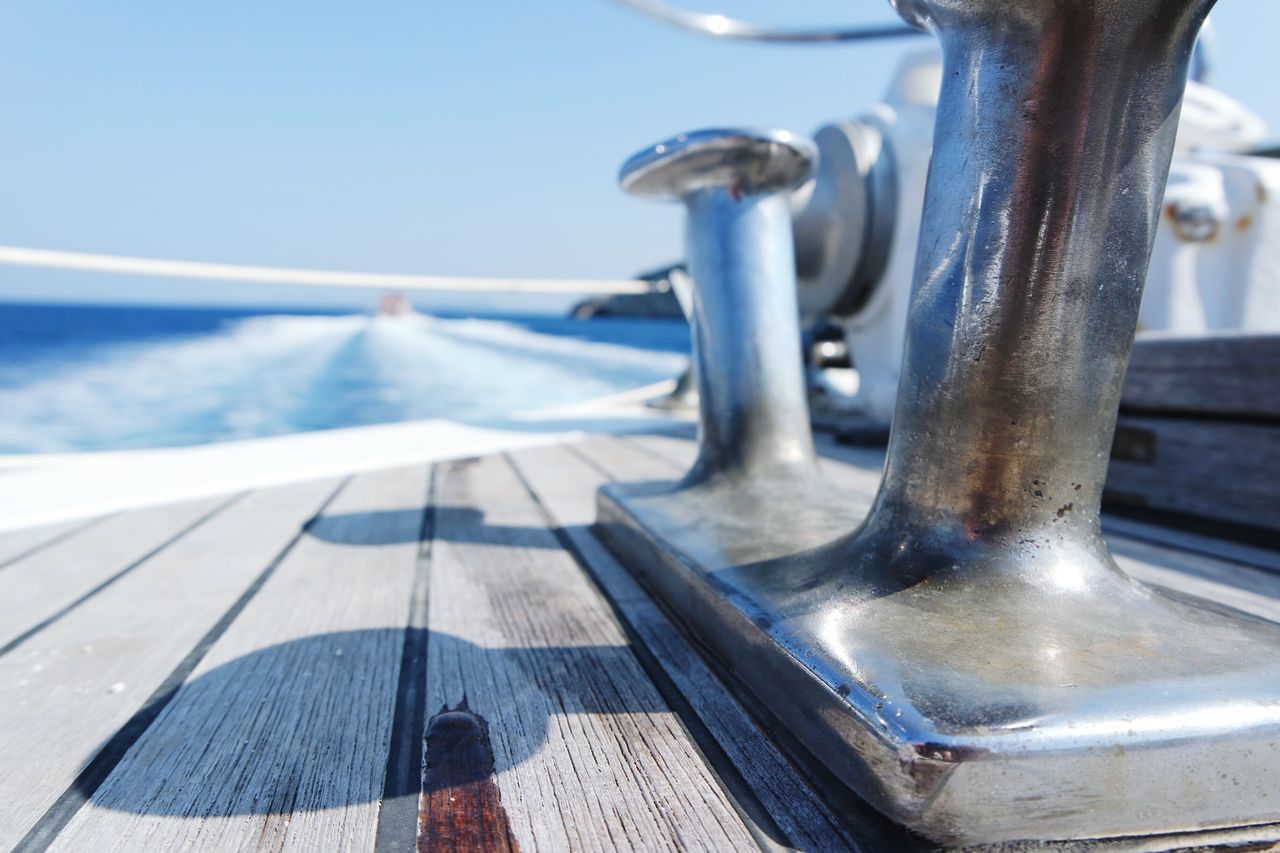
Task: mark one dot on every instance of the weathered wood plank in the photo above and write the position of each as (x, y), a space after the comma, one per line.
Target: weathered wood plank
(279, 737)
(1251, 590)
(565, 483)
(42, 585)
(71, 687)
(1217, 470)
(587, 754)
(1219, 375)
(1196, 543)
(18, 544)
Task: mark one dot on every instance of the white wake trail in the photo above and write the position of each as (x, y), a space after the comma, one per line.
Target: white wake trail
(281, 374)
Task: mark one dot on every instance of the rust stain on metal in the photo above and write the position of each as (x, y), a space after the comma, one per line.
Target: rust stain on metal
(461, 807)
(1243, 223)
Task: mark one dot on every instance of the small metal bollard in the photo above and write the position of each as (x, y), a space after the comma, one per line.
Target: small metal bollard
(971, 660)
(754, 415)
(756, 473)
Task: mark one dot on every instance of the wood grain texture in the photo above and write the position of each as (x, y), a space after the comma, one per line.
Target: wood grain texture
(1216, 470)
(278, 740)
(279, 737)
(17, 544)
(565, 481)
(41, 585)
(1219, 375)
(587, 754)
(1192, 542)
(461, 804)
(1160, 565)
(68, 689)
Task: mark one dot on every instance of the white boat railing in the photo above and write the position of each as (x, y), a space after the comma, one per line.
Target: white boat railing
(125, 265)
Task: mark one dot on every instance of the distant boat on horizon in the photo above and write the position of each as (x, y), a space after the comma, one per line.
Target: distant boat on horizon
(395, 305)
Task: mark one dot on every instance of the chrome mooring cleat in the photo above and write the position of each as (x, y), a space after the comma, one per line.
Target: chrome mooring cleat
(970, 659)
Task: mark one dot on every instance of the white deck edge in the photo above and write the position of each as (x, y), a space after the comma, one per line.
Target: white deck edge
(40, 489)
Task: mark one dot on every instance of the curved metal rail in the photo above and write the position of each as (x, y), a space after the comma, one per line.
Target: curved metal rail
(17, 256)
(720, 26)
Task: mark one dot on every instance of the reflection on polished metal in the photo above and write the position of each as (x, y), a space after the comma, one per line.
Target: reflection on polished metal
(746, 354)
(971, 660)
(720, 26)
(756, 473)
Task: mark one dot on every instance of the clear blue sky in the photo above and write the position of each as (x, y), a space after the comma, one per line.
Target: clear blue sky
(465, 137)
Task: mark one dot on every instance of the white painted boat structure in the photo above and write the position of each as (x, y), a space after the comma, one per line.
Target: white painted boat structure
(38, 489)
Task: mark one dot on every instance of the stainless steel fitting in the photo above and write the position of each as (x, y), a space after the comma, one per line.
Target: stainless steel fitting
(754, 416)
(970, 660)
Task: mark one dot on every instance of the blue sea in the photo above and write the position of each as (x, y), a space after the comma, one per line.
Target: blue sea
(81, 378)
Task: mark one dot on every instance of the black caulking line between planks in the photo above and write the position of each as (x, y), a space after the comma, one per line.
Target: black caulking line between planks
(751, 810)
(1173, 414)
(397, 830)
(45, 623)
(58, 815)
(61, 537)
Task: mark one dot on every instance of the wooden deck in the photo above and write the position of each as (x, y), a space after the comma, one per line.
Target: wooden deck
(268, 670)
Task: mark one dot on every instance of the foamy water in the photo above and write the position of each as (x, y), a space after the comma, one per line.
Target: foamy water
(279, 374)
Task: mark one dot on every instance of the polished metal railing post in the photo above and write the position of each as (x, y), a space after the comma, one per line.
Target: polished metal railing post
(747, 352)
(1054, 133)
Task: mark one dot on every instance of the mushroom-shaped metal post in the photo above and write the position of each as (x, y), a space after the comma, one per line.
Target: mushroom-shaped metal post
(754, 420)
